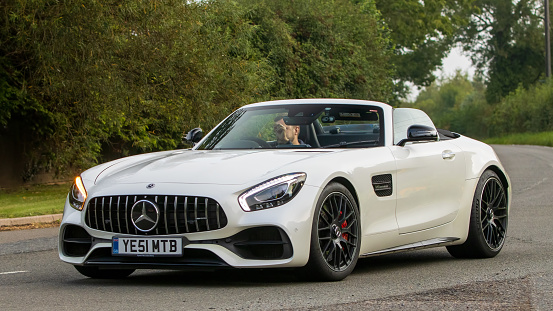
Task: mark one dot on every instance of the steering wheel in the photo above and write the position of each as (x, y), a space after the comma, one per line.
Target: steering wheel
(263, 144)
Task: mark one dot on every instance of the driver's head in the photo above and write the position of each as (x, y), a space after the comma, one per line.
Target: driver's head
(286, 133)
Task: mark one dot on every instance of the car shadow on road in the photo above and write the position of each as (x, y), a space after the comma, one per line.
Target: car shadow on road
(255, 277)
(402, 260)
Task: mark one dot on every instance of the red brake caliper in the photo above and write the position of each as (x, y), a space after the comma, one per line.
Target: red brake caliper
(344, 224)
(345, 235)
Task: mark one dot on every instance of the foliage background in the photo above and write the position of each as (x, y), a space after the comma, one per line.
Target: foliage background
(83, 82)
(510, 93)
(458, 104)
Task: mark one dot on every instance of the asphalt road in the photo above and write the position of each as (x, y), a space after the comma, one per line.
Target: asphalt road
(520, 278)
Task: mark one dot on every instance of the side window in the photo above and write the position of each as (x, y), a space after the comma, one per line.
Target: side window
(404, 118)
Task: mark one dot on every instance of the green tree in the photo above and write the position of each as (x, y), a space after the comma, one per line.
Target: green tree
(121, 78)
(505, 38)
(457, 104)
(422, 33)
(94, 80)
(322, 48)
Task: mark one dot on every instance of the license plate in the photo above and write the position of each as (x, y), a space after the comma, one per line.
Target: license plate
(147, 247)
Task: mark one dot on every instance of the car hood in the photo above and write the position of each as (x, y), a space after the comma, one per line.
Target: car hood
(228, 167)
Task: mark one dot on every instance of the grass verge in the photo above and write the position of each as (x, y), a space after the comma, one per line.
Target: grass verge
(538, 139)
(33, 200)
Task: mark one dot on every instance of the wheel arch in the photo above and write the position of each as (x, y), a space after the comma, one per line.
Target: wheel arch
(346, 183)
(504, 180)
(501, 174)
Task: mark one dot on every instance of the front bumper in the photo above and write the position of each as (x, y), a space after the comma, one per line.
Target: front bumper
(277, 237)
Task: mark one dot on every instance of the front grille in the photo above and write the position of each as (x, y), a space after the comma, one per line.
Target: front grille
(177, 214)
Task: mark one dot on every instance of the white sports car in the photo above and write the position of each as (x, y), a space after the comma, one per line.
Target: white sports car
(312, 184)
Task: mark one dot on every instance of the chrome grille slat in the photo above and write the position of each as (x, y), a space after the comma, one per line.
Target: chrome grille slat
(206, 215)
(118, 213)
(96, 212)
(165, 209)
(186, 213)
(199, 214)
(196, 214)
(175, 213)
(135, 230)
(127, 213)
(103, 215)
(155, 201)
(110, 222)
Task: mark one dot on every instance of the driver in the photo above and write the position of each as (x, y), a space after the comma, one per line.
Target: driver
(286, 134)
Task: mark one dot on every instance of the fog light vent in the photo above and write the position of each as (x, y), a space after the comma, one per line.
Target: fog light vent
(76, 241)
(264, 243)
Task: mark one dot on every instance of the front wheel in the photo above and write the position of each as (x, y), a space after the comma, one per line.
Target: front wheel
(488, 220)
(335, 235)
(97, 273)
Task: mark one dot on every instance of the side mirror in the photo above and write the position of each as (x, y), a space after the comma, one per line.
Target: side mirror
(419, 133)
(195, 135)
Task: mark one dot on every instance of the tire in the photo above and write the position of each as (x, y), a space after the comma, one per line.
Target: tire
(97, 273)
(335, 235)
(488, 220)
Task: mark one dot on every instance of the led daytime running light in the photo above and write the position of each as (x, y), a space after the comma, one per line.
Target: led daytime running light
(77, 194)
(80, 186)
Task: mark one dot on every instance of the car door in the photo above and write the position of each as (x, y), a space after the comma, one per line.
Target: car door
(430, 176)
(430, 181)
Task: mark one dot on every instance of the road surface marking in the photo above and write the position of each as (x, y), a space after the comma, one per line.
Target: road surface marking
(12, 272)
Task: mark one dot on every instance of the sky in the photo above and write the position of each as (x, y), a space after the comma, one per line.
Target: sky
(455, 60)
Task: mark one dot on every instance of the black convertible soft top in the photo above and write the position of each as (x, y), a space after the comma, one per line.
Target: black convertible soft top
(446, 135)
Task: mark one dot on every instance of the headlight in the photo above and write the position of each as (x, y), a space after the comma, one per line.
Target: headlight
(77, 195)
(272, 193)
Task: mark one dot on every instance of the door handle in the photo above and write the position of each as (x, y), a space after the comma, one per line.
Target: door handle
(448, 154)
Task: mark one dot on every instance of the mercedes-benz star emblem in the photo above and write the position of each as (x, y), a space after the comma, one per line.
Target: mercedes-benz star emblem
(144, 215)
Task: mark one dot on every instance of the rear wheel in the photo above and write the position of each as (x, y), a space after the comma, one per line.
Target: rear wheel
(97, 273)
(335, 235)
(488, 220)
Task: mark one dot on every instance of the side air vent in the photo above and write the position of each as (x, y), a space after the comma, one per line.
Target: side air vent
(382, 185)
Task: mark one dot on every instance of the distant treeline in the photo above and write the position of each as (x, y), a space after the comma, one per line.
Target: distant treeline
(459, 104)
(86, 81)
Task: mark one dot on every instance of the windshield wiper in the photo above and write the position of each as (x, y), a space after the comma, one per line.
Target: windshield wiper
(345, 144)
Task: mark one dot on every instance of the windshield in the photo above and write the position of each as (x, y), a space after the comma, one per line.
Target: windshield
(298, 127)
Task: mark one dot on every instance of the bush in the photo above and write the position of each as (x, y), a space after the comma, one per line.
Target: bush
(456, 104)
(95, 80)
(525, 110)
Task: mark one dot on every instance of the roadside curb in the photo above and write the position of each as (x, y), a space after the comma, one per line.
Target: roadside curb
(21, 221)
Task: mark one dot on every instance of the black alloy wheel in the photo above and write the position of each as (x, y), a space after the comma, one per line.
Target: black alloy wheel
(335, 237)
(488, 220)
(493, 213)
